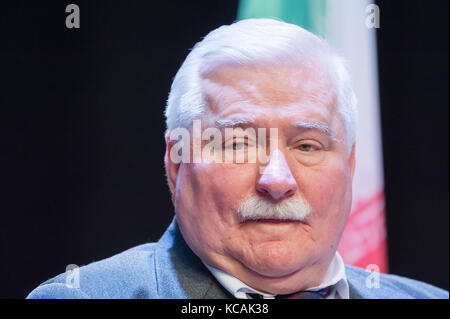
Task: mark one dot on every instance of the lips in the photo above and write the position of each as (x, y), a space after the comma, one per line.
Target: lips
(273, 220)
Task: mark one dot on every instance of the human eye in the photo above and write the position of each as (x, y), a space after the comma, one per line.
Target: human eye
(308, 151)
(308, 146)
(239, 145)
(236, 144)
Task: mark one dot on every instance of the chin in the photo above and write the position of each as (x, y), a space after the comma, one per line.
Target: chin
(277, 259)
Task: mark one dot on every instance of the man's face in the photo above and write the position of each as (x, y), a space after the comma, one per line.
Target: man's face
(310, 163)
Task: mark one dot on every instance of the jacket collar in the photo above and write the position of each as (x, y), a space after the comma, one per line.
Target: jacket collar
(180, 273)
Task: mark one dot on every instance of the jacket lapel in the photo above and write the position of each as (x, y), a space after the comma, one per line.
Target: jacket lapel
(180, 273)
(353, 293)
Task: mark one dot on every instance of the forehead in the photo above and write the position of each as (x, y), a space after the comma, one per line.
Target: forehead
(273, 91)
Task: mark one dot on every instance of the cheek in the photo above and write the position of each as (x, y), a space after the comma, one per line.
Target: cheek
(196, 192)
(328, 191)
(233, 183)
(221, 186)
(206, 198)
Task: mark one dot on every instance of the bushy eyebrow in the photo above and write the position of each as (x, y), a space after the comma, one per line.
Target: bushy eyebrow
(224, 123)
(317, 125)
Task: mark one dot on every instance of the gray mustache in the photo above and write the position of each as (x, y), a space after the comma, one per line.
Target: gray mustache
(255, 208)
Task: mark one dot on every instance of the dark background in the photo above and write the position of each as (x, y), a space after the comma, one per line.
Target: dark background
(82, 174)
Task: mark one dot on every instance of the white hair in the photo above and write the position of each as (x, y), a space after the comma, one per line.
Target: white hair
(257, 208)
(255, 42)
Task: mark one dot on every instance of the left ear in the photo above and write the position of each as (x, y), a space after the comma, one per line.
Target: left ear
(352, 160)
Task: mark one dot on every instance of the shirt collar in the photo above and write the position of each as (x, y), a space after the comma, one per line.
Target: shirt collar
(335, 277)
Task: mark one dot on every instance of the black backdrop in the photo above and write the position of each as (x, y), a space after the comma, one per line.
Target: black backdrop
(82, 174)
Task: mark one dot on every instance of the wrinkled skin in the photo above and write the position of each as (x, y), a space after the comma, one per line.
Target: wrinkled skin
(273, 257)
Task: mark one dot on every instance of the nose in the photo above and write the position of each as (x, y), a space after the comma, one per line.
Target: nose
(276, 180)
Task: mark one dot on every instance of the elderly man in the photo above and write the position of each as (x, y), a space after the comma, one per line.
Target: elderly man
(266, 223)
